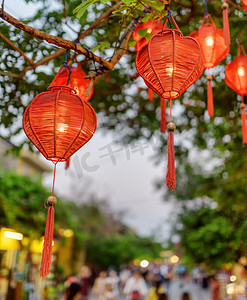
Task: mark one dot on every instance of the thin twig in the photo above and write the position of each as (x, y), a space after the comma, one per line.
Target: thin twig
(9, 74)
(51, 38)
(3, 37)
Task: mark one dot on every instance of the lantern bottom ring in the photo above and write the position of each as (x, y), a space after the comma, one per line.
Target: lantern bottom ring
(170, 94)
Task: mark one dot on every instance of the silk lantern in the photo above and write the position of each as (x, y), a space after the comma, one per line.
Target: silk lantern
(77, 80)
(58, 122)
(169, 64)
(214, 50)
(236, 79)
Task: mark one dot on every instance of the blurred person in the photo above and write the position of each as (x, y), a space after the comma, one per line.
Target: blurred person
(156, 292)
(124, 275)
(113, 280)
(195, 275)
(166, 272)
(186, 296)
(85, 276)
(135, 288)
(215, 288)
(74, 291)
(99, 285)
(108, 293)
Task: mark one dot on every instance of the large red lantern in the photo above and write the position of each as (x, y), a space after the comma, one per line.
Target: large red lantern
(236, 79)
(214, 50)
(169, 64)
(77, 80)
(58, 122)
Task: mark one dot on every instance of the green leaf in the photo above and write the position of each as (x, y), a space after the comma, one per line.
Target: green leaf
(101, 46)
(127, 2)
(142, 32)
(81, 9)
(132, 43)
(146, 18)
(104, 1)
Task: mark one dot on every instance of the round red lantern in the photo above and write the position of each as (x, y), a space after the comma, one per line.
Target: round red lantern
(236, 79)
(169, 64)
(58, 122)
(77, 80)
(214, 50)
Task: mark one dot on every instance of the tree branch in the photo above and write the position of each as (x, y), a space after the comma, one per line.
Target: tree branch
(52, 39)
(16, 48)
(9, 74)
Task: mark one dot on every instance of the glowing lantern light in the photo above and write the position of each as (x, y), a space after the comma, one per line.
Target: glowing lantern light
(214, 50)
(58, 122)
(236, 79)
(169, 63)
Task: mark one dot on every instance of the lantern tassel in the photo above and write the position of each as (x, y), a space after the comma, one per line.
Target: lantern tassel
(49, 232)
(226, 28)
(48, 239)
(243, 119)
(171, 175)
(150, 95)
(163, 115)
(210, 101)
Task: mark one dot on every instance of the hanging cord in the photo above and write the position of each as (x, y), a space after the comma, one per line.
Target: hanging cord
(168, 16)
(206, 7)
(132, 25)
(66, 65)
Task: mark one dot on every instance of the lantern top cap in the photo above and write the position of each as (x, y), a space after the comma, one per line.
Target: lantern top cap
(61, 87)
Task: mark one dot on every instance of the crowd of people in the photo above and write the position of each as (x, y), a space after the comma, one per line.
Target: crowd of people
(132, 283)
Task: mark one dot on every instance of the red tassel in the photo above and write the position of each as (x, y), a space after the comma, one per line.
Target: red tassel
(150, 95)
(171, 175)
(244, 127)
(210, 97)
(48, 240)
(226, 24)
(67, 163)
(162, 115)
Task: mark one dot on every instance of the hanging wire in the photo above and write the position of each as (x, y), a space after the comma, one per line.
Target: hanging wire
(66, 65)
(206, 7)
(168, 15)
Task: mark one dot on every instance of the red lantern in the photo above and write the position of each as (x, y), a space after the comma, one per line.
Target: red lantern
(236, 79)
(214, 50)
(244, 4)
(58, 122)
(152, 27)
(169, 64)
(77, 80)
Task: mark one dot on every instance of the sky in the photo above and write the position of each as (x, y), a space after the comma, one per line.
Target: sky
(125, 178)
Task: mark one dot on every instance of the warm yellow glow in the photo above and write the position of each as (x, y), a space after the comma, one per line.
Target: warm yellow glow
(149, 30)
(230, 290)
(62, 127)
(241, 71)
(233, 278)
(174, 259)
(13, 235)
(169, 71)
(68, 233)
(209, 41)
(144, 263)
